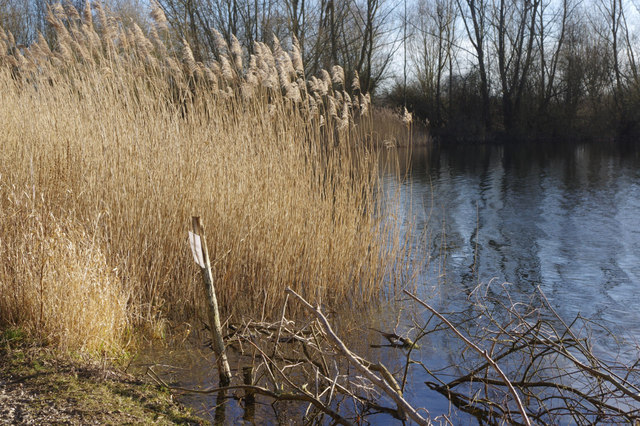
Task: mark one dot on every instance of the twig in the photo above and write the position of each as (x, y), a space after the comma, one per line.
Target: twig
(484, 353)
(403, 405)
(284, 309)
(279, 396)
(609, 376)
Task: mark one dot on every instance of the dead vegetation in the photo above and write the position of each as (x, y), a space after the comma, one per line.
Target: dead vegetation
(112, 139)
(518, 363)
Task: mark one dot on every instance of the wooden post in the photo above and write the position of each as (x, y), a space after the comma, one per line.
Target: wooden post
(249, 396)
(214, 316)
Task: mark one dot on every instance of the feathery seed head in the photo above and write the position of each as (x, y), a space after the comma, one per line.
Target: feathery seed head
(331, 107)
(158, 16)
(227, 69)
(283, 75)
(277, 47)
(236, 53)
(228, 93)
(297, 58)
(71, 12)
(220, 42)
(347, 99)
(142, 42)
(344, 120)
(252, 79)
(345, 112)
(267, 56)
(355, 85)
(64, 52)
(215, 67)
(58, 11)
(174, 68)
(80, 50)
(326, 79)
(211, 78)
(337, 75)
(157, 42)
(187, 57)
(199, 71)
(246, 91)
(407, 117)
(87, 16)
(365, 102)
(271, 80)
(313, 84)
(313, 106)
(92, 37)
(288, 64)
(43, 45)
(124, 39)
(293, 93)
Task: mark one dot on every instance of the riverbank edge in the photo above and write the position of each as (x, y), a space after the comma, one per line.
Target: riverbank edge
(41, 386)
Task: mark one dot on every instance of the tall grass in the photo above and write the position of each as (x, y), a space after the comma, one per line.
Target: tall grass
(112, 139)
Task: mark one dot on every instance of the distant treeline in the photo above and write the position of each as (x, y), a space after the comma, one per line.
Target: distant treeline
(544, 69)
(475, 69)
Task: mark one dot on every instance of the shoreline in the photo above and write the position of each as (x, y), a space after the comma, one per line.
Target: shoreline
(40, 386)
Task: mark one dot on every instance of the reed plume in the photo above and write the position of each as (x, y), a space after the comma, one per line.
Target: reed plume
(337, 75)
(138, 145)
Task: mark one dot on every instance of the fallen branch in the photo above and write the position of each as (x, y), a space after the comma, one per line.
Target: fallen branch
(394, 394)
(278, 396)
(482, 352)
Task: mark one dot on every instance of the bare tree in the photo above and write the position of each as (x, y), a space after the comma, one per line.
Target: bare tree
(515, 30)
(551, 33)
(475, 20)
(611, 12)
(433, 49)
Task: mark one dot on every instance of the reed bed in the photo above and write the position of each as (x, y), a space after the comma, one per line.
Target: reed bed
(113, 138)
(393, 128)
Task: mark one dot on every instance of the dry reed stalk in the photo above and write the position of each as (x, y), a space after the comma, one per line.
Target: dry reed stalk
(128, 147)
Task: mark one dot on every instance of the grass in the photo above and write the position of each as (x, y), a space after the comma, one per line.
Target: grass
(113, 139)
(40, 387)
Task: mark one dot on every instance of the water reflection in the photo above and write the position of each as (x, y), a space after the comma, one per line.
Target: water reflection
(561, 217)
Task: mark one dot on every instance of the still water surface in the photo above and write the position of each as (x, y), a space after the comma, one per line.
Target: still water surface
(565, 218)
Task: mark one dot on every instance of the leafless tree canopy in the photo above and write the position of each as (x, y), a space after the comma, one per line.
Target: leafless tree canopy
(526, 67)
(473, 68)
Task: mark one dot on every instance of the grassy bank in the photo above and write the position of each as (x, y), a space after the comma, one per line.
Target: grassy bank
(39, 387)
(112, 139)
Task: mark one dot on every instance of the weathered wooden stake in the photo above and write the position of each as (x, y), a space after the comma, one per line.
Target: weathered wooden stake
(214, 315)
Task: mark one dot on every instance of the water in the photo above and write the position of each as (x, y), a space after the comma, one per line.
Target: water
(564, 218)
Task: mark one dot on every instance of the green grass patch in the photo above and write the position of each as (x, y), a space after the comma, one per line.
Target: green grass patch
(41, 387)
